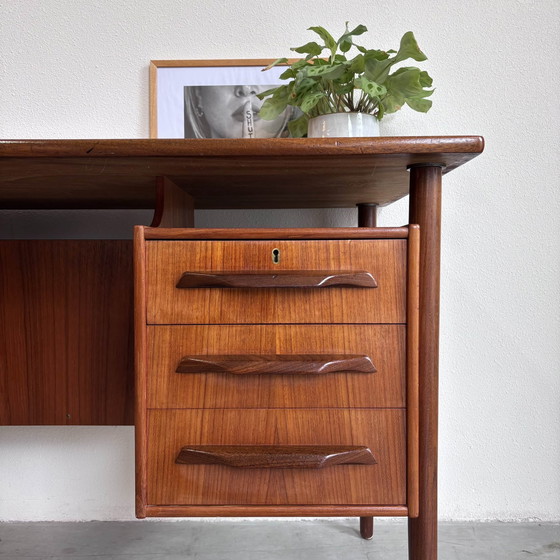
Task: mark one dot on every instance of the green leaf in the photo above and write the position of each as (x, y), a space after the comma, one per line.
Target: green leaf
(405, 86)
(310, 100)
(376, 54)
(268, 92)
(275, 63)
(288, 74)
(391, 104)
(425, 79)
(377, 65)
(357, 64)
(299, 64)
(373, 89)
(342, 89)
(421, 105)
(330, 43)
(358, 30)
(336, 72)
(302, 87)
(377, 70)
(409, 49)
(298, 127)
(405, 81)
(276, 104)
(345, 46)
(311, 48)
(317, 70)
(345, 42)
(272, 108)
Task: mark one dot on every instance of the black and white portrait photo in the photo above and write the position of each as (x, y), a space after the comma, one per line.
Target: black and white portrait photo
(230, 111)
(203, 99)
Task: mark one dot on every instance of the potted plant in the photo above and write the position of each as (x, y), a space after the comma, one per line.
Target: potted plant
(357, 90)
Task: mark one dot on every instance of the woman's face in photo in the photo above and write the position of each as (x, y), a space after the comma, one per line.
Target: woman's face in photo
(225, 110)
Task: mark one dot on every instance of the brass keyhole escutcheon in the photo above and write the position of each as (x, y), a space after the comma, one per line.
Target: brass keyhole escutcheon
(275, 256)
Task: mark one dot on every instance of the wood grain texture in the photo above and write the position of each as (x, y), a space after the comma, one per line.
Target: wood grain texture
(217, 173)
(425, 210)
(66, 350)
(140, 365)
(276, 456)
(167, 345)
(168, 260)
(412, 383)
(174, 207)
(366, 527)
(277, 279)
(367, 215)
(275, 511)
(153, 98)
(207, 234)
(382, 431)
(276, 364)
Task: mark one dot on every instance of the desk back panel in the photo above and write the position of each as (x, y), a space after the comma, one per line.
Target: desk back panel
(66, 349)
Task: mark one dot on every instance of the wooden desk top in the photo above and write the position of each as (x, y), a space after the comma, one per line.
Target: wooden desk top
(240, 173)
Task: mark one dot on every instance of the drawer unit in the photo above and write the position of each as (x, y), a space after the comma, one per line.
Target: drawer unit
(277, 376)
(346, 281)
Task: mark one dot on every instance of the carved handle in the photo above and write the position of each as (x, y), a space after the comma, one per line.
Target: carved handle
(276, 456)
(283, 279)
(301, 364)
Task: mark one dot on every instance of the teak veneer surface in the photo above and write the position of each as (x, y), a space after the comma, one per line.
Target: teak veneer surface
(207, 234)
(221, 173)
(166, 261)
(384, 344)
(382, 431)
(65, 332)
(274, 511)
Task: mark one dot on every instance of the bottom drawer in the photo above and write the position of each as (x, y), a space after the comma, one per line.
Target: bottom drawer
(380, 430)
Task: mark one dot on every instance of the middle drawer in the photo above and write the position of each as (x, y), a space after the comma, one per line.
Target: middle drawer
(333, 355)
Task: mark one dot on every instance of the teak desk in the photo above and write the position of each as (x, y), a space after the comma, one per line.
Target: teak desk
(66, 316)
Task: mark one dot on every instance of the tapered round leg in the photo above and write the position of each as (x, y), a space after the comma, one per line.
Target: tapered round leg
(425, 210)
(366, 527)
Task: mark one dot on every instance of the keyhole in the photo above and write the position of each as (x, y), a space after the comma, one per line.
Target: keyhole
(275, 256)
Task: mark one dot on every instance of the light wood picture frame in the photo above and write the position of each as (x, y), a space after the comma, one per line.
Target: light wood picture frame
(212, 99)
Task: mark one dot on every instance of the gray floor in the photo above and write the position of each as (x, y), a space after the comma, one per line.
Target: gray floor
(329, 539)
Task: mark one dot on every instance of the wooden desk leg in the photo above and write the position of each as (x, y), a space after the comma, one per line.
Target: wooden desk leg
(367, 214)
(366, 527)
(367, 217)
(425, 210)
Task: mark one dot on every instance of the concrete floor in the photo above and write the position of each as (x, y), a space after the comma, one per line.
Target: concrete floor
(329, 539)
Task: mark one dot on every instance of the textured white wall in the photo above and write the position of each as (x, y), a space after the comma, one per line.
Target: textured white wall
(79, 69)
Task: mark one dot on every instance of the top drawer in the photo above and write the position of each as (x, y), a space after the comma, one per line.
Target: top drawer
(299, 261)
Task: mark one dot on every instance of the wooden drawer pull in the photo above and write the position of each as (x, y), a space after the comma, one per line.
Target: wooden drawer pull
(299, 364)
(284, 279)
(276, 456)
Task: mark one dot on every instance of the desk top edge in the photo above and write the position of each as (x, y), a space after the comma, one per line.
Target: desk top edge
(269, 147)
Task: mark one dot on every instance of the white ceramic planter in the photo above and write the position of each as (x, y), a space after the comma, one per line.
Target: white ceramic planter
(343, 124)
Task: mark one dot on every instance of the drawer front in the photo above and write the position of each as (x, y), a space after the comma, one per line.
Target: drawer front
(327, 382)
(300, 263)
(382, 431)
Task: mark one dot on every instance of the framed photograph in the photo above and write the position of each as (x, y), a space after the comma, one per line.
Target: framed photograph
(213, 99)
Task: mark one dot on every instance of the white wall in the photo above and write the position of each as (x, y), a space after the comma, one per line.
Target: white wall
(79, 69)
